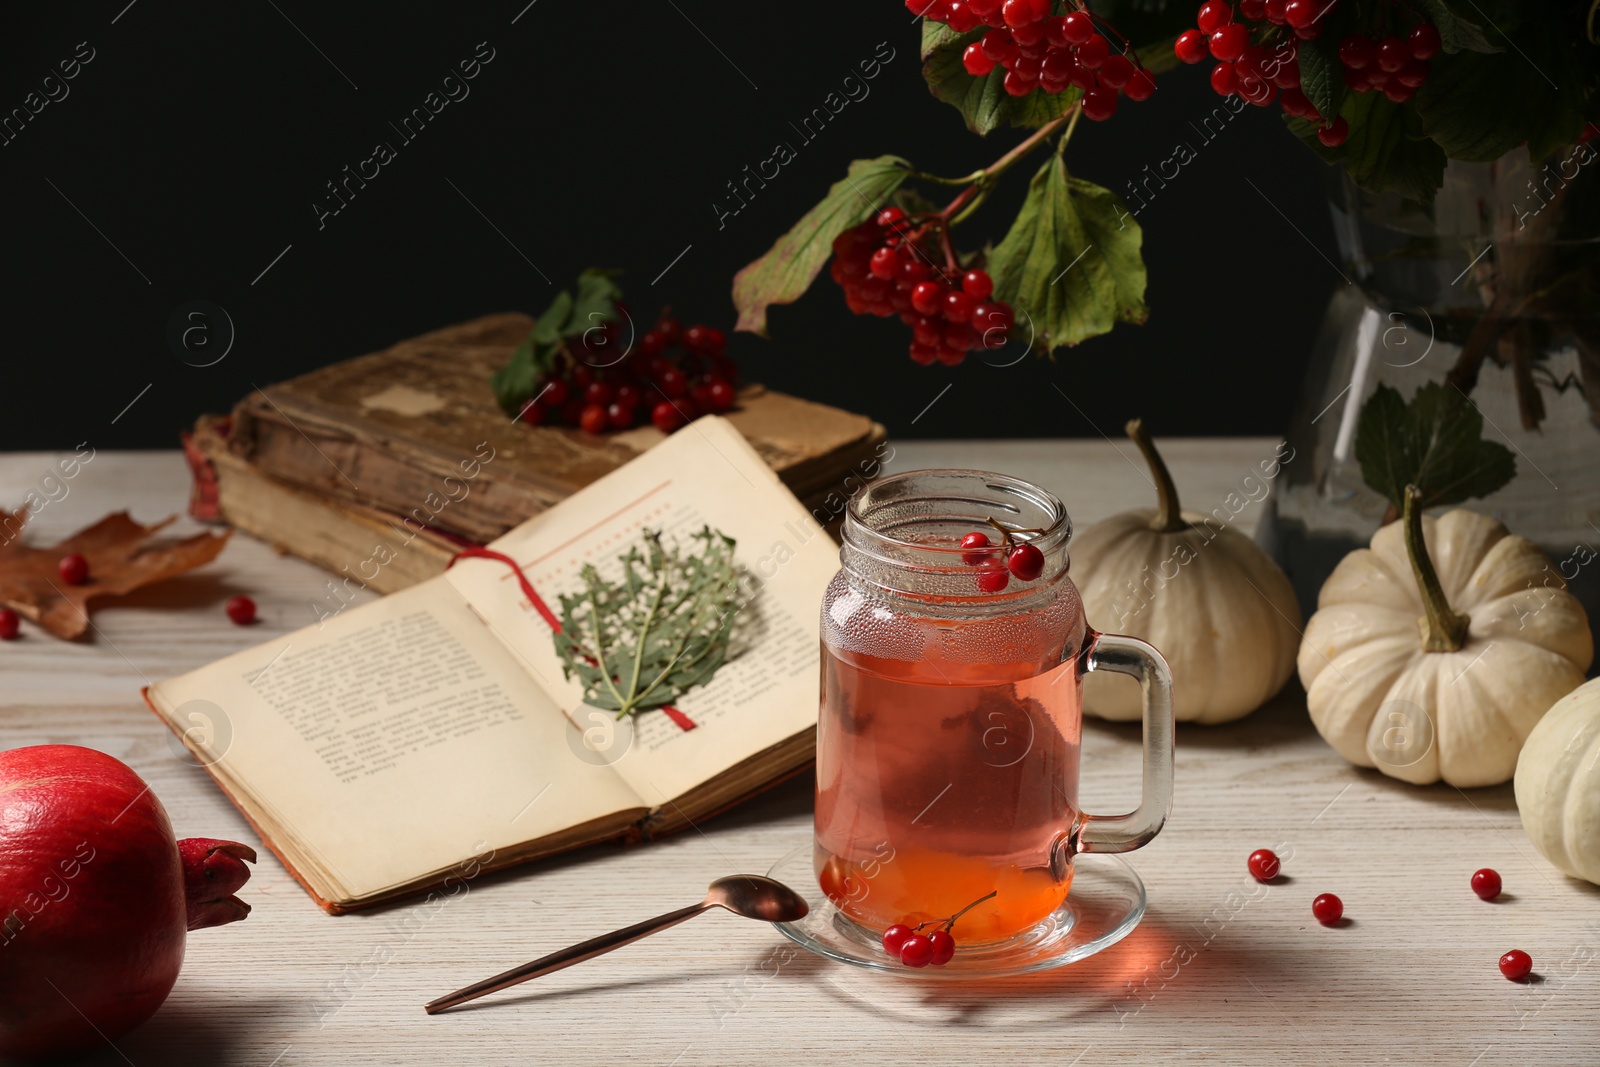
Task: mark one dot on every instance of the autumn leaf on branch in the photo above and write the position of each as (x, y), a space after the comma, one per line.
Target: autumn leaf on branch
(1071, 262)
(122, 557)
(795, 259)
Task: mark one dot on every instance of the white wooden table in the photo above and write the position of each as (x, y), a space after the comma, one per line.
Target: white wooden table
(1221, 970)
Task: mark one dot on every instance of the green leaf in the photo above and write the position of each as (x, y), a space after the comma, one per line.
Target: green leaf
(936, 35)
(596, 303)
(1435, 443)
(1388, 151)
(552, 321)
(1071, 260)
(656, 630)
(514, 383)
(984, 102)
(1467, 112)
(1321, 74)
(1456, 34)
(1479, 107)
(791, 264)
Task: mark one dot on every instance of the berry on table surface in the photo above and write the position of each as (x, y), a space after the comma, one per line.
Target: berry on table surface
(1264, 865)
(241, 609)
(1486, 883)
(74, 569)
(1516, 965)
(1327, 908)
(8, 625)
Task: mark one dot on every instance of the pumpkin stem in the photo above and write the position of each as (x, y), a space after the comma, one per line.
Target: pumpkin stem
(1443, 628)
(1169, 518)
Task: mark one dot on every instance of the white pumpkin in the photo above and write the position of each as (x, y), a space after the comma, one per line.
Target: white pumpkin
(1428, 674)
(1558, 783)
(1219, 609)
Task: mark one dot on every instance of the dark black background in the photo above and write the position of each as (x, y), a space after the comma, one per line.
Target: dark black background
(198, 138)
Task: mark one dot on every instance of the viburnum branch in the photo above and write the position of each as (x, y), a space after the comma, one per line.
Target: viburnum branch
(970, 198)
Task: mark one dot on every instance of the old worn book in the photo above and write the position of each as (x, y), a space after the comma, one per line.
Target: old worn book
(336, 534)
(433, 733)
(388, 430)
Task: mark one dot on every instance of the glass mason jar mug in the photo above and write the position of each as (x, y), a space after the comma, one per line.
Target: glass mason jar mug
(948, 741)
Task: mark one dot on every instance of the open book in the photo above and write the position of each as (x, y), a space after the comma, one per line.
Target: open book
(432, 732)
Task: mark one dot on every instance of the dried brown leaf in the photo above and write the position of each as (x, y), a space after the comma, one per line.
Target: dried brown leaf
(122, 557)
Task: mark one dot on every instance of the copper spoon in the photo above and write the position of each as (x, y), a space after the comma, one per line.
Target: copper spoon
(749, 895)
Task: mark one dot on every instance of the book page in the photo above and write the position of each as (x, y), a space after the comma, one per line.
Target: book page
(388, 742)
(766, 692)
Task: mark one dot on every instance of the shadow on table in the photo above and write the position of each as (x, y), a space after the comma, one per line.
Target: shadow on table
(1280, 720)
(1483, 800)
(1165, 967)
(211, 1027)
(196, 591)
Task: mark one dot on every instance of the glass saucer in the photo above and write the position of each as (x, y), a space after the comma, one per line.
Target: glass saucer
(1106, 902)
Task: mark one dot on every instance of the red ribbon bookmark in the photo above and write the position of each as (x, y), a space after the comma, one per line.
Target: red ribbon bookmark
(682, 721)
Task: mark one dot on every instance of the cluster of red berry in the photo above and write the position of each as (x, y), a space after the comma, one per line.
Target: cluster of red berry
(1255, 72)
(1268, 70)
(1042, 51)
(913, 948)
(679, 374)
(885, 270)
(998, 564)
(1328, 909)
(1396, 66)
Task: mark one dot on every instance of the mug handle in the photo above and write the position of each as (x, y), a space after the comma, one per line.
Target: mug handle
(1124, 833)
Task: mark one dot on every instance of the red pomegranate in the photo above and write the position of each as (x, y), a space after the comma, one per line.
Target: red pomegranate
(95, 899)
